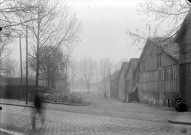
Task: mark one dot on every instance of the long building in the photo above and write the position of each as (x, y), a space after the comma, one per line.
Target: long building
(184, 41)
(157, 72)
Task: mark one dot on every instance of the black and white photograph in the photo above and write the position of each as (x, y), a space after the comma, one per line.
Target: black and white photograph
(95, 67)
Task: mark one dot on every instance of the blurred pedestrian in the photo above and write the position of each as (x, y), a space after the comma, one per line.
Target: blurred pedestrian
(38, 109)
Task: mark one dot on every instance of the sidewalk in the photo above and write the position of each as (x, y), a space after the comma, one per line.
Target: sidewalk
(117, 109)
(15, 102)
(183, 118)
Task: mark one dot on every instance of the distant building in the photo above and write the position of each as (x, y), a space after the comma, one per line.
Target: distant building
(157, 72)
(60, 81)
(130, 79)
(81, 86)
(13, 89)
(114, 85)
(121, 80)
(104, 87)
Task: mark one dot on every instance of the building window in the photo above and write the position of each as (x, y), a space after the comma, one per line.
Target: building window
(175, 73)
(159, 60)
(162, 74)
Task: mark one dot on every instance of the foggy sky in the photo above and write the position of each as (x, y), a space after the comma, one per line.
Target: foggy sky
(104, 25)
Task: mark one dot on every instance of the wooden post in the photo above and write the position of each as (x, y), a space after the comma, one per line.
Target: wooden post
(26, 65)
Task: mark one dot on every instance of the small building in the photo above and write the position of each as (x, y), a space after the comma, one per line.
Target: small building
(3, 84)
(60, 82)
(157, 72)
(14, 90)
(104, 87)
(81, 86)
(121, 81)
(114, 92)
(130, 80)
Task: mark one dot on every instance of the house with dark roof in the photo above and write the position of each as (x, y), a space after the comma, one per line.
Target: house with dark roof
(183, 39)
(157, 72)
(130, 79)
(121, 81)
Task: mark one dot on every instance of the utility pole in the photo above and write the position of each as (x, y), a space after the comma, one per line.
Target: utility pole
(26, 65)
(21, 65)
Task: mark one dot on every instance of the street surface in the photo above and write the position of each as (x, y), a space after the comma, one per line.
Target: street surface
(18, 119)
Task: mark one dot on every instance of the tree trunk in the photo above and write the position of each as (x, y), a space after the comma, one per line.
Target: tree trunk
(48, 77)
(88, 87)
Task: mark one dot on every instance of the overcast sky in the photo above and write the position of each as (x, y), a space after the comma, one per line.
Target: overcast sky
(104, 25)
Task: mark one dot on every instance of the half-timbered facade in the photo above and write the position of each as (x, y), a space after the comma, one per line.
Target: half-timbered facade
(157, 72)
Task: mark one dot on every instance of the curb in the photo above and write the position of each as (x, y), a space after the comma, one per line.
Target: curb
(45, 102)
(62, 103)
(179, 122)
(17, 105)
(67, 104)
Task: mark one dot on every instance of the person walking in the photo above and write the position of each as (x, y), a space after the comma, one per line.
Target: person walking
(38, 109)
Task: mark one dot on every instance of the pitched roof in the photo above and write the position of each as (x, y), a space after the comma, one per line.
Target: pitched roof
(184, 26)
(133, 62)
(115, 75)
(124, 68)
(167, 45)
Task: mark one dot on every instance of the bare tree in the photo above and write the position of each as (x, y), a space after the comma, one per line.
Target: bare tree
(162, 13)
(172, 11)
(54, 26)
(54, 63)
(97, 76)
(10, 67)
(73, 71)
(5, 50)
(9, 25)
(8, 8)
(105, 70)
(87, 71)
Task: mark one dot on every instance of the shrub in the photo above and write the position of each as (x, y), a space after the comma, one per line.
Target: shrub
(63, 98)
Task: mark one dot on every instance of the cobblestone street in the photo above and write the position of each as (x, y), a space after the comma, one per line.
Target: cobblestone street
(67, 123)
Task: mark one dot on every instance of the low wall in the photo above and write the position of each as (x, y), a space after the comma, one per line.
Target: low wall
(14, 92)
